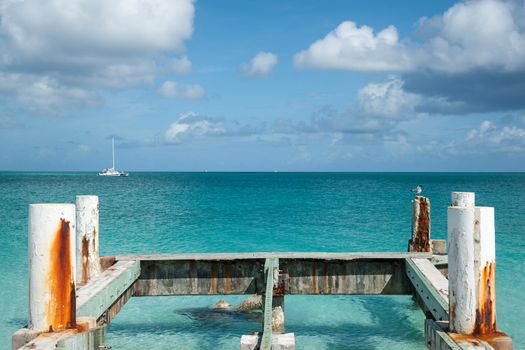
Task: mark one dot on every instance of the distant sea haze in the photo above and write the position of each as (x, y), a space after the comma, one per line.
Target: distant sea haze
(243, 212)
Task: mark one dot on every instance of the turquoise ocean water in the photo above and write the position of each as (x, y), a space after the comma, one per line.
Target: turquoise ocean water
(239, 212)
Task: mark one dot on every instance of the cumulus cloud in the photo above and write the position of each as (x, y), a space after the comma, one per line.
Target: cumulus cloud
(86, 45)
(356, 48)
(260, 65)
(471, 58)
(387, 99)
(469, 35)
(474, 34)
(192, 125)
(44, 94)
(489, 138)
(171, 89)
(181, 65)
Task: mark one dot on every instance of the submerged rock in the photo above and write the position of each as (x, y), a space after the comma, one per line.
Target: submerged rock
(253, 302)
(222, 304)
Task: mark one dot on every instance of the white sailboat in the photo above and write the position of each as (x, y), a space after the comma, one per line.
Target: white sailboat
(112, 171)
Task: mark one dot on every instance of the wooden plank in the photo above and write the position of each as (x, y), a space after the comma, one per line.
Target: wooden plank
(430, 286)
(269, 267)
(105, 290)
(278, 255)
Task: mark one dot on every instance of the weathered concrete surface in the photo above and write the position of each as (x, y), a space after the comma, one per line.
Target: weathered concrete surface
(278, 255)
(95, 298)
(23, 336)
(271, 271)
(485, 270)
(358, 276)
(87, 220)
(70, 339)
(299, 276)
(200, 277)
(284, 341)
(420, 240)
(437, 338)
(52, 267)
(462, 199)
(462, 307)
(430, 286)
(439, 246)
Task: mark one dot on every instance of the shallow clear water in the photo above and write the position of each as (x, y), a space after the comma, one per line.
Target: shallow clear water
(234, 212)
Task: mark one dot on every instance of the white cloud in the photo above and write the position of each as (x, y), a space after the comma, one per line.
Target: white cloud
(488, 138)
(83, 45)
(191, 125)
(470, 35)
(356, 48)
(387, 99)
(171, 89)
(260, 65)
(181, 65)
(473, 34)
(45, 94)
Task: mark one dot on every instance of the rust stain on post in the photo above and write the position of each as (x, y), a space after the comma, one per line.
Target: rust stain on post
(314, 278)
(227, 279)
(214, 276)
(84, 274)
(421, 239)
(62, 304)
(325, 272)
(486, 311)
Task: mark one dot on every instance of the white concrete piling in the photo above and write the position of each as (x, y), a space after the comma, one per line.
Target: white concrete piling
(52, 300)
(462, 292)
(471, 267)
(87, 219)
(462, 199)
(485, 270)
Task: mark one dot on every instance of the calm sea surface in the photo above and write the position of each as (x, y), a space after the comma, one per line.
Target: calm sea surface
(241, 212)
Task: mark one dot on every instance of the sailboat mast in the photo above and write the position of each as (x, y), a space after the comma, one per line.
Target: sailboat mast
(113, 148)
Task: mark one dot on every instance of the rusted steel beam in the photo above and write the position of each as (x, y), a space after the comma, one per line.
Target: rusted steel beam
(87, 219)
(52, 267)
(420, 241)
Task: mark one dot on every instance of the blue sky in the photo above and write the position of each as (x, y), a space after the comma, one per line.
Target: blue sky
(263, 85)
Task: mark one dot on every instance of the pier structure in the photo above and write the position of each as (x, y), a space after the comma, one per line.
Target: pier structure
(73, 298)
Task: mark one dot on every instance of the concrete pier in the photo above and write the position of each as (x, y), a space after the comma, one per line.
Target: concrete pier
(460, 311)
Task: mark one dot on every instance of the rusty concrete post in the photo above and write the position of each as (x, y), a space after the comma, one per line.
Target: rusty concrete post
(52, 300)
(87, 218)
(420, 241)
(471, 268)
